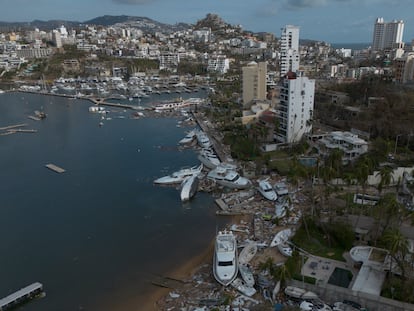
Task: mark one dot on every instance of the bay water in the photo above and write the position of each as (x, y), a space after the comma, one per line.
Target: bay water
(96, 234)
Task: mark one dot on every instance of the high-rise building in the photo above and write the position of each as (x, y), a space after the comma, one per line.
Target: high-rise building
(254, 82)
(387, 35)
(289, 49)
(295, 108)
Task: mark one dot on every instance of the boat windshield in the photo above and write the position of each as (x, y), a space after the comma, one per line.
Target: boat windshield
(235, 177)
(225, 263)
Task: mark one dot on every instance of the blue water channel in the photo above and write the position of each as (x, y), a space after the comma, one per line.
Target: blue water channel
(96, 234)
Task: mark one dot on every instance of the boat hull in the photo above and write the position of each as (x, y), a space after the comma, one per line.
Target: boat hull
(189, 188)
(225, 263)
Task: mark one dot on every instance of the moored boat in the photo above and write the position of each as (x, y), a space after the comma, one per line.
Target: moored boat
(209, 158)
(203, 139)
(225, 263)
(188, 139)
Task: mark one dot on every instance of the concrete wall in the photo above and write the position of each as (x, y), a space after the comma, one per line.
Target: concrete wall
(331, 294)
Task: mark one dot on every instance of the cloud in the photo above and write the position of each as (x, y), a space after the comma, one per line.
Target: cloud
(132, 1)
(298, 4)
(301, 4)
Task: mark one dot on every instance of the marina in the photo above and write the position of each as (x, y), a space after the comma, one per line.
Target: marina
(109, 196)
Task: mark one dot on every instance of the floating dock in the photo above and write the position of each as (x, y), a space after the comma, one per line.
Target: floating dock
(21, 296)
(54, 168)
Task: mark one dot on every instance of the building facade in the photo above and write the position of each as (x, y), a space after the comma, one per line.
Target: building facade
(289, 49)
(295, 108)
(254, 82)
(387, 35)
(220, 64)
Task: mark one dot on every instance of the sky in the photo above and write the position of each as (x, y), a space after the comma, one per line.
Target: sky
(333, 21)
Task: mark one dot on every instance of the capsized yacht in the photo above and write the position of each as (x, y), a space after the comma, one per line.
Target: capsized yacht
(179, 176)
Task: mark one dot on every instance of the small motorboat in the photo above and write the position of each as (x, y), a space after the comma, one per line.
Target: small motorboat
(281, 237)
(300, 293)
(247, 253)
(246, 274)
(266, 190)
(243, 288)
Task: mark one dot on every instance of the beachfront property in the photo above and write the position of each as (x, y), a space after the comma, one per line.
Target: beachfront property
(375, 262)
(351, 145)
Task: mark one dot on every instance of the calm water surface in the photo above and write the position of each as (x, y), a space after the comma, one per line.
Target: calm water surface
(99, 231)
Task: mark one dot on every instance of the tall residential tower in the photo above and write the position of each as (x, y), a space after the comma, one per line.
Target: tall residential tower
(254, 82)
(295, 108)
(387, 35)
(289, 49)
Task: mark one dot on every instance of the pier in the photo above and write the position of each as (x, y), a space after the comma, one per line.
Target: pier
(21, 296)
(217, 146)
(13, 129)
(55, 168)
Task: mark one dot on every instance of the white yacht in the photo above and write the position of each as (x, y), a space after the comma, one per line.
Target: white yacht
(209, 158)
(225, 263)
(266, 190)
(188, 139)
(229, 178)
(179, 176)
(203, 140)
(189, 187)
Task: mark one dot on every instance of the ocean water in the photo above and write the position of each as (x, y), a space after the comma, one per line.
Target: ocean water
(96, 234)
(353, 46)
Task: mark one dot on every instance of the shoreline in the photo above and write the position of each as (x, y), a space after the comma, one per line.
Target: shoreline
(185, 271)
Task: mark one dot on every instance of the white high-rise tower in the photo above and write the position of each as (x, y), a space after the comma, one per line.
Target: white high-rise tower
(295, 108)
(289, 49)
(387, 35)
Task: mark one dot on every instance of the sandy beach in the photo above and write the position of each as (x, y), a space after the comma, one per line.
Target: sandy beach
(186, 270)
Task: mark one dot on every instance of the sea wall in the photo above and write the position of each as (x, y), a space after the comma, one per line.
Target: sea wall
(330, 294)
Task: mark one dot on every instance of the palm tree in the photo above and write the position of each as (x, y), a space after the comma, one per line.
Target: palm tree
(386, 175)
(387, 214)
(397, 245)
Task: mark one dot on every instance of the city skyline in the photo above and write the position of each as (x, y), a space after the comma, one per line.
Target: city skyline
(333, 21)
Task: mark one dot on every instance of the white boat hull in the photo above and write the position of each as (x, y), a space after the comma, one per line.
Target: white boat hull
(189, 188)
(243, 288)
(225, 263)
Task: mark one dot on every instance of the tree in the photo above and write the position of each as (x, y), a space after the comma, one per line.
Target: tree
(386, 175)
(397, 245)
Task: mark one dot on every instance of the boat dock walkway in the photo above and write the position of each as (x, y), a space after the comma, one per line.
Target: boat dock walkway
(217, 146)
(22, 295)
(12, 129)
(55, 168)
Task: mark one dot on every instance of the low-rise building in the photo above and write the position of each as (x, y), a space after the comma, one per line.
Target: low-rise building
(351, 145)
